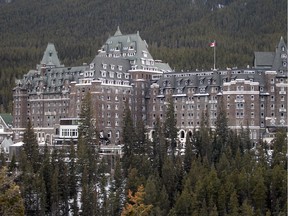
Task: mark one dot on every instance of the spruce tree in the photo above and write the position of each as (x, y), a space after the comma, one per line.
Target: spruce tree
(221, 132)
(170, 127)
(128, 140)
(30, 146)
(188, 153)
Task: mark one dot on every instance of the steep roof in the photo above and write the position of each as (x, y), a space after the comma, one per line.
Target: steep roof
(50, 57)
(7, 118)
(132, 48)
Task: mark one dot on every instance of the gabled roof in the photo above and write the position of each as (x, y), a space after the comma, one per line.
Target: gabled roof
(50, 56)
(6, 142)
(7, 118)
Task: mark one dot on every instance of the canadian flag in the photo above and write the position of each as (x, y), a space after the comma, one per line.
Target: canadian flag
(212, 44)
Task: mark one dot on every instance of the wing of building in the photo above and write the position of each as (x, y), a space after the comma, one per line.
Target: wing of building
(124, 70)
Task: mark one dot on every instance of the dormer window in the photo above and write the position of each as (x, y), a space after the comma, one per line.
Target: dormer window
(120, 68)
(103, 73)
(104, 66)
(112, 67)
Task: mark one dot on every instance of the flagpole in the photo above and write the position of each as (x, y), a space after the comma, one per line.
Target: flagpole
(214, 55)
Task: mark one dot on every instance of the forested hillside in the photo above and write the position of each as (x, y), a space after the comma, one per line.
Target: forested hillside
(177, 31)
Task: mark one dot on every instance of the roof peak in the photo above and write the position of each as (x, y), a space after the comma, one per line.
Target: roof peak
(118, 32)
(50, 56)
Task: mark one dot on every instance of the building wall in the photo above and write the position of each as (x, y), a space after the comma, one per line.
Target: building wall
(254, 97)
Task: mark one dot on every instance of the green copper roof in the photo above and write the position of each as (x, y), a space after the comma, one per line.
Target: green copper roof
(50, 57)
(7, 118)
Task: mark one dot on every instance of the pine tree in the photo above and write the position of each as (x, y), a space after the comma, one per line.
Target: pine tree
(30, 146)
(188, 153)
(88, 143)
(159, 148)
(46, 173)
(221, 132)
(128, 140)
(169, 179)
(116, 191)
(170, 128)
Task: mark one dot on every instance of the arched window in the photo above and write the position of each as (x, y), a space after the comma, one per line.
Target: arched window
(182, 134)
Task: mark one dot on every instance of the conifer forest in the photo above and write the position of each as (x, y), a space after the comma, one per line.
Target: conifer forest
(215, 173)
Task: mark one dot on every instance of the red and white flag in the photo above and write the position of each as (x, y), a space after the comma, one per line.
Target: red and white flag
(212, 44)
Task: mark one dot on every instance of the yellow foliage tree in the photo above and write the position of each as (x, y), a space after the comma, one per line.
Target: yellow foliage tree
(11, 202)
(135, 205)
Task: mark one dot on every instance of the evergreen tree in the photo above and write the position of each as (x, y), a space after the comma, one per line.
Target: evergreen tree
(116, 191)
(221, 131)
(30, 146)
(46, 173)
(188, 153)
(88, 139)
(72, 176)
(128, 140)
(159, 148)
(170, 128)
(169, 178)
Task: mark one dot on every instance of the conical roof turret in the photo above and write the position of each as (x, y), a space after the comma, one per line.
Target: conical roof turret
(118, 32)
(50, 57)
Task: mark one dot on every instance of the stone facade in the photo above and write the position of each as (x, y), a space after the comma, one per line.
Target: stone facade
(124, 70)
